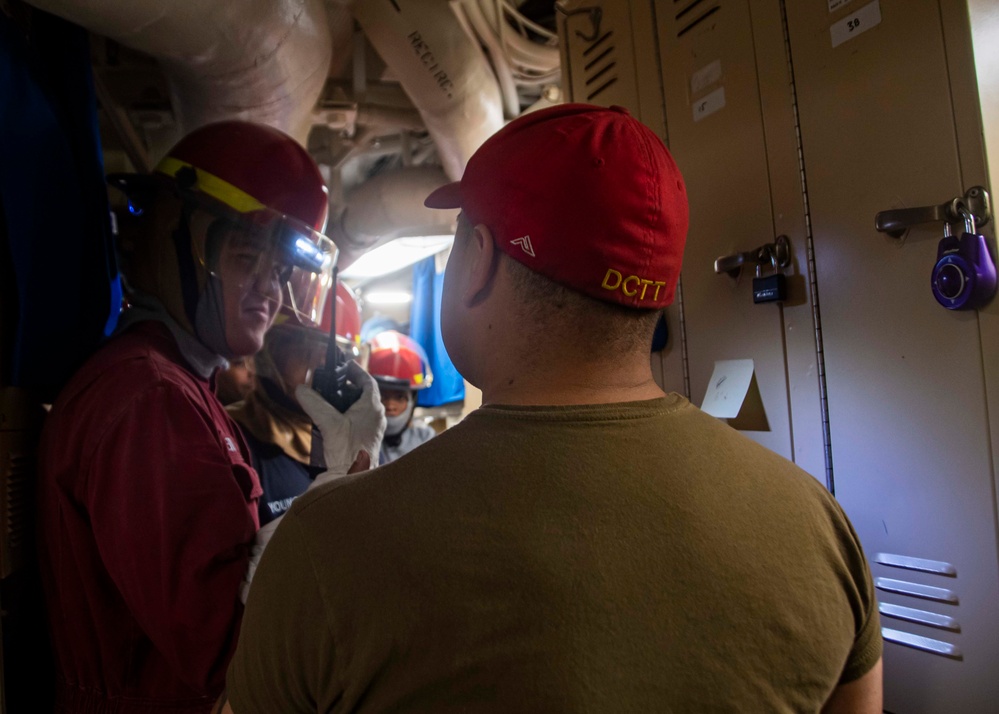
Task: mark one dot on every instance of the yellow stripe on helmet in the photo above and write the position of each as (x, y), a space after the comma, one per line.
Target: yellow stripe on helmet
(212, 185)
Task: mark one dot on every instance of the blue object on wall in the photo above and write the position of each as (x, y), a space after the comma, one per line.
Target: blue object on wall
(66, 292)
(425, 327)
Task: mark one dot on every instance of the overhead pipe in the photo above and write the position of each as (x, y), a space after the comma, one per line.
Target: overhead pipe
(442, 70)
(530, 59)
(260, 60)
(268, 60)
(525, 53)
(387, 206)
(471, 20)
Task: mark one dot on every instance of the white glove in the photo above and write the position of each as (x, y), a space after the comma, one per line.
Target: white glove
(360, 428)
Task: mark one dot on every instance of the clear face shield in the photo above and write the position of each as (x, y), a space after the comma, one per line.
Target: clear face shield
(255, 262)
(273, 257)
(351, 348)
(236, 269)
(290, 356)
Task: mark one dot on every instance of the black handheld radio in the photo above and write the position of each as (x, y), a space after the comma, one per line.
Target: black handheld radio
(331, 381)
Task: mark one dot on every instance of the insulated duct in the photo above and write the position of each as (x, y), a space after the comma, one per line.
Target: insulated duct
(268, 60)
(261, 60)
(443, 71)
(388, 206)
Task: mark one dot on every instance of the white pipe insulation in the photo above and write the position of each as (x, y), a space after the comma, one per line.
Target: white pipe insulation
(476, 24)
(267, 61)
(443, 71)
(387, 206)
(261, 60)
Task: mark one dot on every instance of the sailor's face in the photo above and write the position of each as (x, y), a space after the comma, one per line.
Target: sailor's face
(395, 401)
(251, 290)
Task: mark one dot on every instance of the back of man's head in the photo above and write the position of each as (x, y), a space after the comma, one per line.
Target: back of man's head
(589, 213)
(587, 196)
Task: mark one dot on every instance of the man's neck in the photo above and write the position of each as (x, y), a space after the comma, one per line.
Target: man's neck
(584, 384)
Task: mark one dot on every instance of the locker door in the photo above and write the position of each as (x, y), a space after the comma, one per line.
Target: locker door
(730, 126)
(884, 117)
(605, 49)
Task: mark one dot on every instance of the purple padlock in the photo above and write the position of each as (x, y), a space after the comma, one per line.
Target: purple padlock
(964, 277)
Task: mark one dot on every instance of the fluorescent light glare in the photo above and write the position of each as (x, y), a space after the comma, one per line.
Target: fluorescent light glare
(396, 255)
(388, 298)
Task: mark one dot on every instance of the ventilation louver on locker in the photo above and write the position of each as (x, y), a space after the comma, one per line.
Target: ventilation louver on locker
(917, 597)
(693, 15)
(600, 64)
(598, 52)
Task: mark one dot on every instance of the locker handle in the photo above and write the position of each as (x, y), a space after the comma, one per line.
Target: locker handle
(780, 249)
(595, 14)
(897, 221)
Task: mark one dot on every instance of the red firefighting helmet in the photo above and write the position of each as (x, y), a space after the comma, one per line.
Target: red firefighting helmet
(252, 167)
(263, 179)
(348, 316)
(398, 362)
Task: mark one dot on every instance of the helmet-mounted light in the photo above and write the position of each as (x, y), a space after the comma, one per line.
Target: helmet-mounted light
(304, 254)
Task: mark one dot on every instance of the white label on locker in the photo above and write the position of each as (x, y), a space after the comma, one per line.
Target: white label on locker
(836, 4)
(709, 104)
(861, 21)
(705, 77)
(728, 387)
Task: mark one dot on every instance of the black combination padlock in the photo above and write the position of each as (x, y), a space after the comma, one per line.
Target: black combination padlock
(772, 288)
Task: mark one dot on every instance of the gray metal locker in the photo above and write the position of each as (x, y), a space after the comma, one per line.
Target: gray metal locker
(807, 119)
(890, 118)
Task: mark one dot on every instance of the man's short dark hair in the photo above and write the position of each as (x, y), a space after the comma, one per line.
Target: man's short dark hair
(558, 312)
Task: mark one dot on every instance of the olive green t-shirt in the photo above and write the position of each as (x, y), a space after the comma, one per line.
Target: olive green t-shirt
(639, 557)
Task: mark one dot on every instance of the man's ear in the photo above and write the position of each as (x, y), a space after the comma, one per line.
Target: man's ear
(482, 261)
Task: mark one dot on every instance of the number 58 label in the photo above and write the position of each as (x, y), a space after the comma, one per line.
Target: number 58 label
(852, 25)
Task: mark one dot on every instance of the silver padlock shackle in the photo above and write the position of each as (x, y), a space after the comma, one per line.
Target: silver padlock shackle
(765, 251)
(967, 216)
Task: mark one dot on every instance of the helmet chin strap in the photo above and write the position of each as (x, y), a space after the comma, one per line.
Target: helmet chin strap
(185, 262)
(207, 310)
(395, 425)
(209, 318)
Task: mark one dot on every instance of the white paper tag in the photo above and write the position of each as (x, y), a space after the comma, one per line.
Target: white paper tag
(709, 104)
(836, 4)
(705, 77)
(727, 388)
(859, 22)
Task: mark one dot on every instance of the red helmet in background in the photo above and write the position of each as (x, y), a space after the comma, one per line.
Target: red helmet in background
(348, 316)
(398, 362)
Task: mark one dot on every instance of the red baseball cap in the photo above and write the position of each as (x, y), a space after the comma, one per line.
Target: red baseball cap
(587, 196)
